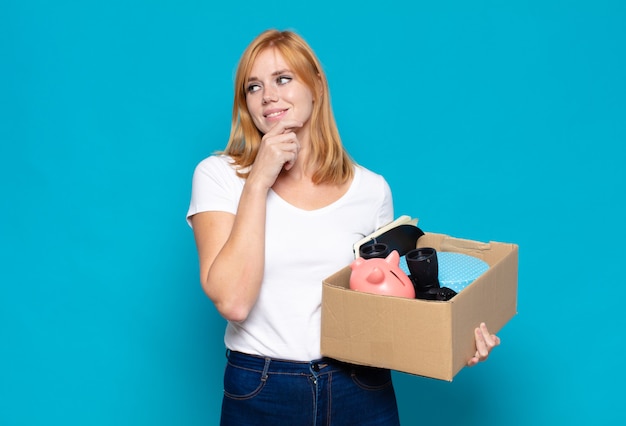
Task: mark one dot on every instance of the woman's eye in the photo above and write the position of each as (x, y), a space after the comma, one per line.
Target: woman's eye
(253, 88)
(283, 79)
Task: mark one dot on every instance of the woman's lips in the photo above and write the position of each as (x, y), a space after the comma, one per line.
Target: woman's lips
(275, 114)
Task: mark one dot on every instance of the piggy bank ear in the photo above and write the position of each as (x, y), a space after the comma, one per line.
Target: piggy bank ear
(393, 258)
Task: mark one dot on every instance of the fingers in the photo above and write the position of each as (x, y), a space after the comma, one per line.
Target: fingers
(485, 342)
(284, 141)
(285, 148)
(284, 126)
(473, 361)
(278, 150)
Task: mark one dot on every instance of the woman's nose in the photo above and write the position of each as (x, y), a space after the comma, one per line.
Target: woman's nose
(270, 95)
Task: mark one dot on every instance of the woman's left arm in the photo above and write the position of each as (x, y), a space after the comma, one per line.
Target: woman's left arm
(485, 342)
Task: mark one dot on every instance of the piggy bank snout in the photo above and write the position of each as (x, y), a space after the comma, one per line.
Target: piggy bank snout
(376, 276)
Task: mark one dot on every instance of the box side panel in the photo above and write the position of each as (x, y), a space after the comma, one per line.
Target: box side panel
(407, 335)
(424, 339)
(492, 299)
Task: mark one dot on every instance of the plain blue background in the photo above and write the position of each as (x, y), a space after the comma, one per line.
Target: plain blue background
(491, 120)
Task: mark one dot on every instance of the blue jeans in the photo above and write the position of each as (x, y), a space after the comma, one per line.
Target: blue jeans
(265, 391)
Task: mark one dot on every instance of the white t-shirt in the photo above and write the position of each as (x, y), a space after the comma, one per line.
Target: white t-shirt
(302, 248)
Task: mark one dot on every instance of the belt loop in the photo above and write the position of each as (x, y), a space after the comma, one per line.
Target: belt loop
(227, 354)
(265, 369)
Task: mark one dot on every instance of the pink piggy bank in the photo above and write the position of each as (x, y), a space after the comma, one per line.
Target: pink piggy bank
(381, 276)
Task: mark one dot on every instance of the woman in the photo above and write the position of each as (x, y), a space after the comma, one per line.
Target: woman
(276, 212)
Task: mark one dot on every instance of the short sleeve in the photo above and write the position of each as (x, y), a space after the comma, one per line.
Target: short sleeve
(215, 187)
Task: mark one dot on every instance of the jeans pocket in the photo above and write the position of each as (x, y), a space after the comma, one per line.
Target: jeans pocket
(370, 378)
(242, 383)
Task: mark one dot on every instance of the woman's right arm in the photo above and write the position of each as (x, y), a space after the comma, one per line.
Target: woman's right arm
(231, 252)
(231, 248)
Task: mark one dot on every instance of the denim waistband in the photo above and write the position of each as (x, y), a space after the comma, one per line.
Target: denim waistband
(273, 365)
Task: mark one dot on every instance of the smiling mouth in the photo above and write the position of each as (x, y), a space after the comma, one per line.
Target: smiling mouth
(275, 114)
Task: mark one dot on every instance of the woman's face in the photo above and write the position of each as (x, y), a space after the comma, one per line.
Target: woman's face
(274, 93)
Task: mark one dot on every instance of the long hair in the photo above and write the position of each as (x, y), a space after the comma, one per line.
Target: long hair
(328, 158)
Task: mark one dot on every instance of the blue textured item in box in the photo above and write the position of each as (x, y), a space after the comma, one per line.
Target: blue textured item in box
(456, 270)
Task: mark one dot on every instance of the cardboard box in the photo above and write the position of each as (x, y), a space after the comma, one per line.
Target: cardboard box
(427, 338)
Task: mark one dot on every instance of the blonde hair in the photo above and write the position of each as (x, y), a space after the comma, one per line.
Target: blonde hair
(328, 157)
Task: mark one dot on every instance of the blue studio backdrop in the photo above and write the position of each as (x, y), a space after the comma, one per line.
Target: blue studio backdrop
(491, 120)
